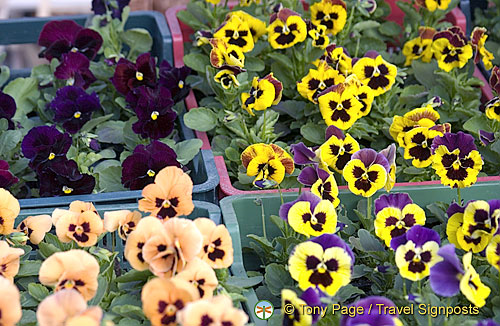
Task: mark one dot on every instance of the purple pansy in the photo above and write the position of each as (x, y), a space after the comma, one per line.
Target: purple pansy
(375, 312)
(73, 107)
(63, 36)
(303, 155)
(443, 276)
(370, 157)
(462, 141)
(418, 234)
(44, 144)
(322, 183)
(487, 322)
(397, 200)
(140, 168)
(312, 298)
(7, 108)
(154, 111)
(129, 75)
(63, 178)
(174, 79)
(116, 7)
(75, 69)
(309, 175)
(331, 240)
(486, 137)
(7, 179)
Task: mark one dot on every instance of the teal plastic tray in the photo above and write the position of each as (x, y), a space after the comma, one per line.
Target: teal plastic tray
(242, 216)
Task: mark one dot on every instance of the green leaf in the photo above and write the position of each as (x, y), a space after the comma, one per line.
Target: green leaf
(91, 124)
(47, 249)
(129, 322)
(38, 291)
(43, 73)
(8, 142)
(277, 278)
(25, 93)
(281, 58)
(129, 311)
(28, 318)
(27, 301)
(111, 132)
(4, 75)
(232, 154)
(29, 268)
(101, 291)
(110, 179)
(244, 282)
(347, 292)
(197, 61)
(369, 242)
(313, 132)
(188, 18)
(390, 28)
(364, 25)
(475, 124)
(134, 276)
(130, 138)
(424, 72)
(186, 150)
(138, 39)
(201, 119)
(126, 299)
(254, 64)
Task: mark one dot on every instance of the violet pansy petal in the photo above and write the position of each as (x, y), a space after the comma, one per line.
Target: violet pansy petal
(334, 131)
(302, 154)
(308, 176)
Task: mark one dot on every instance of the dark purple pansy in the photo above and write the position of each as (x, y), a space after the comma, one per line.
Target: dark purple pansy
(63, 178)
(7, 108)
(452, 141)
(374, 312)
(154, 111)
(73, 107)
(487, 322)
(302, 154)
(331, 240)
(140, 168)
(369, 157)
(63, 36)
(7, 179)
(486, 137)
(44, 144)
(129, 75)
(397, 200)
(75, 69)
(418, 234)
(309, 175)
(312, 298)
(444, 274)
(306, 196)
(174, 79)
(116, 7)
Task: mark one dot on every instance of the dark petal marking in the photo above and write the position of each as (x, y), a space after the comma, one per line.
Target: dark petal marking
(364, 185)
(369, 71)
(332, 265)
(312, 262)
(420, 153)
(416, 267)
(162, 305)
(409, 255)
(334, 149)
(216, 254)
(165, 212)
(341, 115)
(206, 320)
(81, 237)
(378, 82)
(418, 138)
(72, 227)
(342, 160)
(241, 42)
(168, 320)
(409, 220)
(396, 232)
(391, 220)
(467, 162)
(86, 226)
(426, 256)
(158, 202)
(383, 69)
(357, 172)
(480, 215)
(306, 217)
(313, 84)
(318, 278)
(284, 39)
(448, 159)
(459, 175)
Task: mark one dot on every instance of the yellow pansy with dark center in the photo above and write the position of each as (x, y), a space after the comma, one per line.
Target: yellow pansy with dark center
(337, 150)
(480, 219)
(493, 252)
(225, 54)
(256, 26)
(492, 109)
(235, 31)
(265, 92)
(432, 5)
(470, 283)
(420, 117)
(319, 37)
(317, 80)
(451, 49)
(478, 39)
(330, 13)
(364, 94)
(337, 57)
(456, 235)
(227, 78)
(418, 143)
(339, 106)
(375, 73)
(286, 28)
(420, 47)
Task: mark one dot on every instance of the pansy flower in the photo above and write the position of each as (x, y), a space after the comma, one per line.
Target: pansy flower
(455, 231)
(67, 308)
(217, 248)
(201, 275)
(203, 37)
(310, 215)
(395, 215)
(256, 26)
(9, 260)
(478, 39)
(218, 310)
(153, 107)
(299, 317)
(129, 75)
(449, 277)
(480, 222)
(235, 31)
(146, 229)
(492, 109)
(339, 106)
(35, 227)
(63, 36)
(338, 148)
(487, 322)
(9, 210)
(330, 13)
(366, 172)
(246, 3)
(226, 77)
(418, 143)
(390, 154)
(318, 35)
(451, 49)
(174, 79)
(7, 108)
(62, 178)
(223, 54)
(486, 137)
(7, 179)
(100, 7)
(286, 28)
(267, 163)
(74, 68)
(317, 80)
(73, 107)
(338, 58)
(493, 252)
(162, 298)
(495, 79)
(364, 94)
(322, 183)
(324, 262)
(420, 47)
(265, 92)
(84, 228)
(44, 144)
(432, 5)
(416, 252)
(73, 269)
(374, 311)
(124, 221)
(303, 155)
(140, 168)
(456, 159)
(170, 195)
(376, 73)
(10, 303)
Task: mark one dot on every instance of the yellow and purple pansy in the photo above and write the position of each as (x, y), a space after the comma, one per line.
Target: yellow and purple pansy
(338, 58)
(432, 5)
(366, 172)
(418, 142)
(330, 13)
(265, 92)
(338, 148)
(367, 316)
(317, 80)
(478, 39)
(339, 106)
(256, 26)
(451, 49)
(455, 231)
(492, 109)
(299, 317)
(322, 183)
(286, 28)
(318, 35)
(493, 252)
(373, 71)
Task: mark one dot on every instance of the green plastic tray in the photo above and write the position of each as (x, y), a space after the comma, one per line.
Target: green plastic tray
(242, 216)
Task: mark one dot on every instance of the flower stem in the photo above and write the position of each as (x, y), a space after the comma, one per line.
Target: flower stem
(264, 127)
(225, 4)
(404, 288)
(285, 231)
(263, 219)
(113, 241)
(459, 196)
(368, 208)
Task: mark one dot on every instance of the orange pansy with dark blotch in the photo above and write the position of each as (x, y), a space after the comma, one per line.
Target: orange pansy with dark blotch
(10, 303)
(169, 196)
(147, 228)
(218, 310)
(9, 260)
(79, 206)
(162, 298)
(35, 227)
(74, 269)
(67, 308)
(83, 228)
(201, 275)
(124, 221)
(217, 249)
(9, 209)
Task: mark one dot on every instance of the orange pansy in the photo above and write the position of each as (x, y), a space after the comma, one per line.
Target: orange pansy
(9, 209)
(217, 248)
(124, 221)
(170, 194)
(9, 261)
(201, 275)
(218, 310)
(35, 227)
(74, 269)
(84, 228)
(10, 303)
(162, 298)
